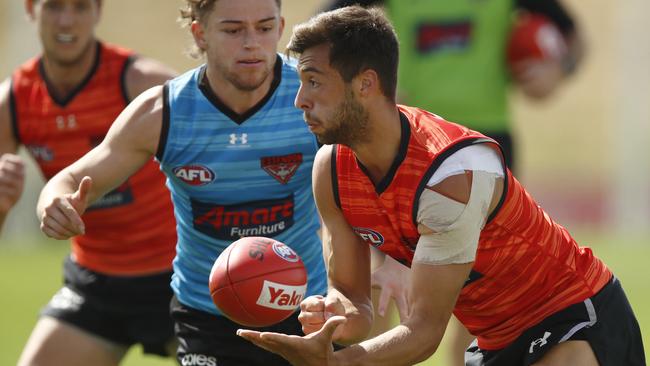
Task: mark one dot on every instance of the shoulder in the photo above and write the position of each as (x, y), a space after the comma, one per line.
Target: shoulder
(323, 160)
(143, 73)
(322, 170)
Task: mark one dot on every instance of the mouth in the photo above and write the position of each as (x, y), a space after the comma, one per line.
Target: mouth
(311, 123)
(65, 38)
(250, 62)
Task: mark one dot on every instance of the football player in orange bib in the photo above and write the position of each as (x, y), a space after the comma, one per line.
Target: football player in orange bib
(437, 197)
(59, 105)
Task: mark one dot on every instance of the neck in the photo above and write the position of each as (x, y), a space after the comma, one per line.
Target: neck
(65, 77)
(379, 152)
(240, 101)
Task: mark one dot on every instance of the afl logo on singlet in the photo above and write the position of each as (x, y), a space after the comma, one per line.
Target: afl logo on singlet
(285, 252)
(370, 236)
(194, 175)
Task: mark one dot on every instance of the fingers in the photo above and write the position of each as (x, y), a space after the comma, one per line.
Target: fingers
(402, 306)
(384, 297)
(312, 314)
(273, 342)
(60, 220)
(254, 337)
(55, 230)
(333, 307)
(12, 180)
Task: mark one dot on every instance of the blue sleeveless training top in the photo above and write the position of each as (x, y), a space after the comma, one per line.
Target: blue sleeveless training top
(237, 175)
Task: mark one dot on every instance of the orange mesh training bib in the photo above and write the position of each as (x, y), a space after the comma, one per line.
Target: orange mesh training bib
(527, 267)
(129, 231)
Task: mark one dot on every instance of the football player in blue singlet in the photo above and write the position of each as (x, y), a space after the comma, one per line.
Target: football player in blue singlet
(238, 158)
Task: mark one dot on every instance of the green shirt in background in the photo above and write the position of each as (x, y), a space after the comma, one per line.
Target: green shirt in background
(452, 59)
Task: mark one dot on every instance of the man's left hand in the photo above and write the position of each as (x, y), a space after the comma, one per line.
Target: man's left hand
(314, 349)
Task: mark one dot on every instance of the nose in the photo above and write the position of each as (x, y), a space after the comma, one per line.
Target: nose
(66, 16)
(301, 100)
(251, 40)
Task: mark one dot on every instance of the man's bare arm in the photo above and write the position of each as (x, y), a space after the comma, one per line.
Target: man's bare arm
(348, 262)
(131, 141)
(12, 168)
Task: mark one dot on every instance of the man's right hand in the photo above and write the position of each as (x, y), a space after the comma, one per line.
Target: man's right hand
(61, 218)
(12, 181)
(316, 309)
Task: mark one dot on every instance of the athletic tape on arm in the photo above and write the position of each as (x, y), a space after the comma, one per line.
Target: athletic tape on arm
(457, 242)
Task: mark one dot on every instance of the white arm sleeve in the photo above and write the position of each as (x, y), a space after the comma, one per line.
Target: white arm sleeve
(457, 226)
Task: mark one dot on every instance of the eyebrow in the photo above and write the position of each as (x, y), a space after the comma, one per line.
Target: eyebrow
(311, 69)
(241, 21)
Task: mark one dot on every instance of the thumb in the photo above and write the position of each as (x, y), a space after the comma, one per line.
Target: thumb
(80, 197)
(330, 326)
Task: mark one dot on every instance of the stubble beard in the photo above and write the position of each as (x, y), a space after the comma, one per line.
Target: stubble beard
(241, 83)
(350, 124)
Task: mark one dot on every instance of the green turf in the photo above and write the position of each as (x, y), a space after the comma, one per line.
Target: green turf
(31, 273)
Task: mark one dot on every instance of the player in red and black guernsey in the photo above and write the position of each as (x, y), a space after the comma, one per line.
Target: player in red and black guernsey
(60, 105)
(435, 196)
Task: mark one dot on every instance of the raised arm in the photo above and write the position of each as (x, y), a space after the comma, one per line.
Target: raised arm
(131, 141)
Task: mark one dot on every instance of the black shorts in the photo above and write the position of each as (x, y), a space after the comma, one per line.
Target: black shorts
(209, 340)
(123, 310)
(605, 320)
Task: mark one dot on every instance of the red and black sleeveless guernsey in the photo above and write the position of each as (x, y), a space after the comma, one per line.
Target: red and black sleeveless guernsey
(527, 267)
(129, 231)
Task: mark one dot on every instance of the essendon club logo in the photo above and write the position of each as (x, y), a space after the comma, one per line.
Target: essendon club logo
(194, 175)
(280, 296)
(282, 168)
(370, 236)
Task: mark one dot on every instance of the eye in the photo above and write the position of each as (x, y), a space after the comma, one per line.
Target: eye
(82, 6)
(313, 83)
(53, 5)
(231, 31)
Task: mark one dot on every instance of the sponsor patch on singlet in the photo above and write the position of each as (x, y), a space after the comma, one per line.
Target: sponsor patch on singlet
(122, 195)
(435, 37)
(256, 218)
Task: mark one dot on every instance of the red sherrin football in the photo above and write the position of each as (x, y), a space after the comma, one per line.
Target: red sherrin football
(258, 281)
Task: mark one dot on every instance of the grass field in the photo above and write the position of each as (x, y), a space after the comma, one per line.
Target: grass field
(30, 273)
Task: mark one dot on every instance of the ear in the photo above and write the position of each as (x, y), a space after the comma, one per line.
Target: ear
(367, 83)
(199, 34)
(99, 9)
(281, 26)
(29, 9)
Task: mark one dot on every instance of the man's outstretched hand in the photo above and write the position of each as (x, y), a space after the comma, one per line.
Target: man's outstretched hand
(313, 349)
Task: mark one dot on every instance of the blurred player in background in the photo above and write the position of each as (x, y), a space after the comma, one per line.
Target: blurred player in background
(238, 159)
(453, 60)
(438, 197)
(59, 105)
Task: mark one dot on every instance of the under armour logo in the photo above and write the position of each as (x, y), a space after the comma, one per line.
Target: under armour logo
(238, 139)
(539, 342)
